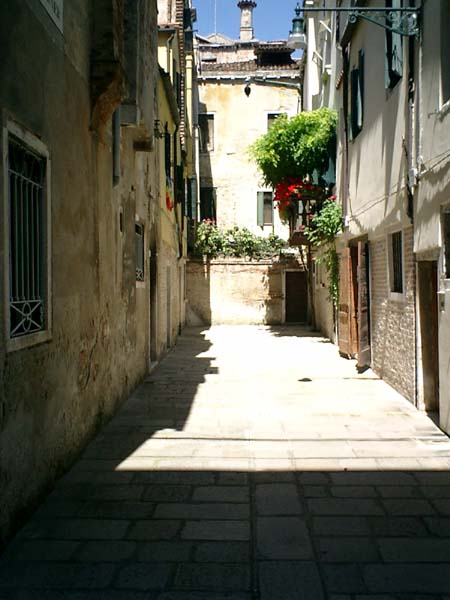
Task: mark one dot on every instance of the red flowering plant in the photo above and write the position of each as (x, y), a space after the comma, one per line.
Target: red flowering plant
(298, 200)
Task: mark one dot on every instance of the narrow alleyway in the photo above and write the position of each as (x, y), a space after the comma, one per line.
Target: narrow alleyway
(253, 463)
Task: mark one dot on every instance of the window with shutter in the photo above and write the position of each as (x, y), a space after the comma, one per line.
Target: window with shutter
(206, 127)
(394, 51)
(264, 208)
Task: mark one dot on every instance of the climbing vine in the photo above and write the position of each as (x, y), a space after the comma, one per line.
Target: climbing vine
(325, 225)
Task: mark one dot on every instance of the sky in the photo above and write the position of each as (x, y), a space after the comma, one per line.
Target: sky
(272, 19)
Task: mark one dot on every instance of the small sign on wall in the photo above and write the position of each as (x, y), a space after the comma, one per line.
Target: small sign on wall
(55, 10)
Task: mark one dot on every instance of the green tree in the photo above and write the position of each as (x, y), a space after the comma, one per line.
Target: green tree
(296, 147)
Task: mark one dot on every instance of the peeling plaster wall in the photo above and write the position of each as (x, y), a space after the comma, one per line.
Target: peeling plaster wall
(238, 122)
(55, 395)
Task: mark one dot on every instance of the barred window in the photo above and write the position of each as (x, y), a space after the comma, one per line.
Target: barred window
(27, 240)
(139, 250)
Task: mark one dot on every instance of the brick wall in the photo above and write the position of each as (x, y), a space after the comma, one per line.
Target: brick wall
(393, 320)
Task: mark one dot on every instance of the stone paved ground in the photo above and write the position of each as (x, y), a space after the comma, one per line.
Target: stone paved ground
(253, 463)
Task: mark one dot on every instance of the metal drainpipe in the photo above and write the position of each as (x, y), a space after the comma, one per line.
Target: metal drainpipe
(168, 45)
(197, 171)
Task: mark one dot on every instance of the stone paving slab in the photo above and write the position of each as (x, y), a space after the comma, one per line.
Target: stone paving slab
(253, 463)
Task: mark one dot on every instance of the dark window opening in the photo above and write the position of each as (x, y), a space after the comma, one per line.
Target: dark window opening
(445, 51)
(207, 203)
(139, 251)
(446, 241)
(397, 262)
(168, 153)
(206, 126)
(271, 117)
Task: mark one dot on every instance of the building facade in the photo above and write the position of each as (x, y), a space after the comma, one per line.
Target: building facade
(92, 259)
(244, 84)
(391, 92)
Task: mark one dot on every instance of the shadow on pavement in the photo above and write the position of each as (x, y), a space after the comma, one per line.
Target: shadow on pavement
(159, 510)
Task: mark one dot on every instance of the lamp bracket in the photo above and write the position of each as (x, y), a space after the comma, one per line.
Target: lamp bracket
(404, 21)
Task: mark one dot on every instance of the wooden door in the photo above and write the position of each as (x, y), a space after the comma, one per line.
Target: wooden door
(296, 297)
(364, 351)
(429, 332)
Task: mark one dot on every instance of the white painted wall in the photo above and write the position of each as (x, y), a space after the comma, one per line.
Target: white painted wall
(434, 184)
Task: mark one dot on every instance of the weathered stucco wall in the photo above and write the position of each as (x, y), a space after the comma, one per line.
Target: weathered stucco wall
(238, 122)
(377, 197)
(55, 395)
(236, 291)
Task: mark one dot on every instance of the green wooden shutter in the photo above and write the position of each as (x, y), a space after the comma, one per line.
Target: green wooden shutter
(354, 84)
(260, 209)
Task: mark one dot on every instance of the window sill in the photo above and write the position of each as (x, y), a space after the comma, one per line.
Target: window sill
(140, 285)
(26, 341)
(397, 296)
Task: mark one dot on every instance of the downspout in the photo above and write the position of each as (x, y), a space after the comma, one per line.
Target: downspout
(413, 149)
(168, 53)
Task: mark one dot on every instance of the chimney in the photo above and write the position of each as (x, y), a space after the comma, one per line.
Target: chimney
(246, 33)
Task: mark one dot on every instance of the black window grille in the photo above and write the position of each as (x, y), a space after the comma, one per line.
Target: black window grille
(397, 262)
(139, 250)
(27, 240)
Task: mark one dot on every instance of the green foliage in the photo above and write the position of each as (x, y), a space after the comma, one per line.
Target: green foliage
(326, 223)
(325, 226)
(212, 242)
(296, 147)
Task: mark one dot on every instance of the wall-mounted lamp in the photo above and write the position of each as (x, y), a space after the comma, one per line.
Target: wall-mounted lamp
(270, 82)
(404, 21)
(297, 37)
(157, 129)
